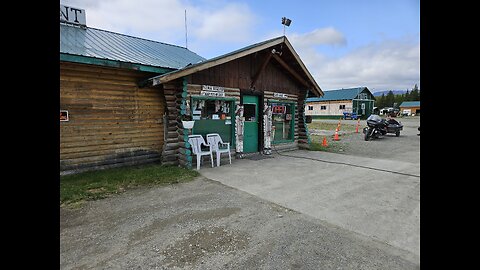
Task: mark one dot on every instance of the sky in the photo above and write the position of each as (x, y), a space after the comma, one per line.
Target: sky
(343, 43)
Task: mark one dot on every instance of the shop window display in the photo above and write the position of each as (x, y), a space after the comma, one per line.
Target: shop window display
(282, 119)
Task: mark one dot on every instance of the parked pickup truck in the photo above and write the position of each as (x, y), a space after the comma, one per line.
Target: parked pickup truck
(350, 115)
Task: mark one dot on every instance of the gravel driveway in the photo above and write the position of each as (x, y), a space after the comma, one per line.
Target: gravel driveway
(206, 225)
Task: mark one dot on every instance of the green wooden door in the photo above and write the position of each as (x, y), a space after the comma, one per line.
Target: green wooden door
(250, 132)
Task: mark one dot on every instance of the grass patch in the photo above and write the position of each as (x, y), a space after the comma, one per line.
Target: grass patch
(332, 146)
(96, 185)
(318, 125)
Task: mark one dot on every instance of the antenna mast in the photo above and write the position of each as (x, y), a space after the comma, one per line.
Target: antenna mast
(186, 40)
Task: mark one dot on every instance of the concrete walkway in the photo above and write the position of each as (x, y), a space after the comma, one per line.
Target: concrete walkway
(383, 206)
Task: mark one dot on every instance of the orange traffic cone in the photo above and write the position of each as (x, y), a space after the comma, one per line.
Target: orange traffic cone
(358, 124)
(324, 143)
(335, 138)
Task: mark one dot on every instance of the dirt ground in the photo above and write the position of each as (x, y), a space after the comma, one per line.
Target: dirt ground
(204, 224)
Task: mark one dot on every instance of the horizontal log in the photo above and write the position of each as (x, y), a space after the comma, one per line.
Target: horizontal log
(172, 134)
(171, 140)
(99, 81)
(169, 152)
(169, 163)
(79, 141)
(109, 148)
(172, 127)
(184, 157)
(170, 157)
(169, 91)
(171, 146)
(170, 98)
(108, 159)
(110, 131)
(93, 76)
(107, 164)
(184, 151)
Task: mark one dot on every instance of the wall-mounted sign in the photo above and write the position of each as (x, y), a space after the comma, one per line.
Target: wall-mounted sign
(72, 15)
(63, 115)
(280, 95)
(212, 91)
(279, 109)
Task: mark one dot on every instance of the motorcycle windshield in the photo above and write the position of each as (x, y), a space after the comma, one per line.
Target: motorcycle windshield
(375, 118)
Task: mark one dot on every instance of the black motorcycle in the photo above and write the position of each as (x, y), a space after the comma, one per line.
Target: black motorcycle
(377, 126)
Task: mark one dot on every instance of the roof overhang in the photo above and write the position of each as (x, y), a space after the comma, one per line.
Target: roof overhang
(111, 63)
(308, 82)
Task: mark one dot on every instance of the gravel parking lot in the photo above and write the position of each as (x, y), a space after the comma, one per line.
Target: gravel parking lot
(205, 224)
(403, 148)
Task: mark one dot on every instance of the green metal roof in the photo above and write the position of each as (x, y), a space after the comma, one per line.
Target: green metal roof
(79, 43)
(410, 104)
(339, 94)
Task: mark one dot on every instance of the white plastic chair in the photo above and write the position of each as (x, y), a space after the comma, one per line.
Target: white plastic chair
(218, 146)
(196, 141)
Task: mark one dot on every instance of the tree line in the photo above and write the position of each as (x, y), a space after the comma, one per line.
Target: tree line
(392, 100)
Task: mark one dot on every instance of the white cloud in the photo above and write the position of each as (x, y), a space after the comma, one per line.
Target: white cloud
(164, 20)
(393, 64)
(323, 36)
(231, 23)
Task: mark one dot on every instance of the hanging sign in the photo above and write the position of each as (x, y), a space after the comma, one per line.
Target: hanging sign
(280, 95)
(72, 15)
(212, 91)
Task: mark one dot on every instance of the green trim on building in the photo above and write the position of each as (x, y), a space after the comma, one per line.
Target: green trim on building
(292, 123)
(111, 63)
(214, 122)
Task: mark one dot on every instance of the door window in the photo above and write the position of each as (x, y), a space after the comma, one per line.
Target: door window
(249, 112)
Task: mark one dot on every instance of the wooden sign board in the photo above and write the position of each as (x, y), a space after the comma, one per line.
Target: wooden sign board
(280, 95)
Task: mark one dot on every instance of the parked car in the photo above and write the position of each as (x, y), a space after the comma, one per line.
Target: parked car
(350, 115)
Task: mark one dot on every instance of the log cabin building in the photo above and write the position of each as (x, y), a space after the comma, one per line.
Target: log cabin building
(253, 97)
(122, 99)
(107, 119)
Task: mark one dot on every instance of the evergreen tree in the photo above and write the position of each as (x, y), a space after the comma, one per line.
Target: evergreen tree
(407, 96)
(399, 99)
(381, 101)
(414, 95)
(389, 99)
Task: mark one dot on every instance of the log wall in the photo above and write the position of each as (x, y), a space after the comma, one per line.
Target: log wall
(112, 122)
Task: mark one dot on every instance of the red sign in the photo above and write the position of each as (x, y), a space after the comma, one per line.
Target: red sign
(277, 109)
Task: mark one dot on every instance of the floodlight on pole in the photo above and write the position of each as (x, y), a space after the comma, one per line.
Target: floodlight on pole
(285, 22)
